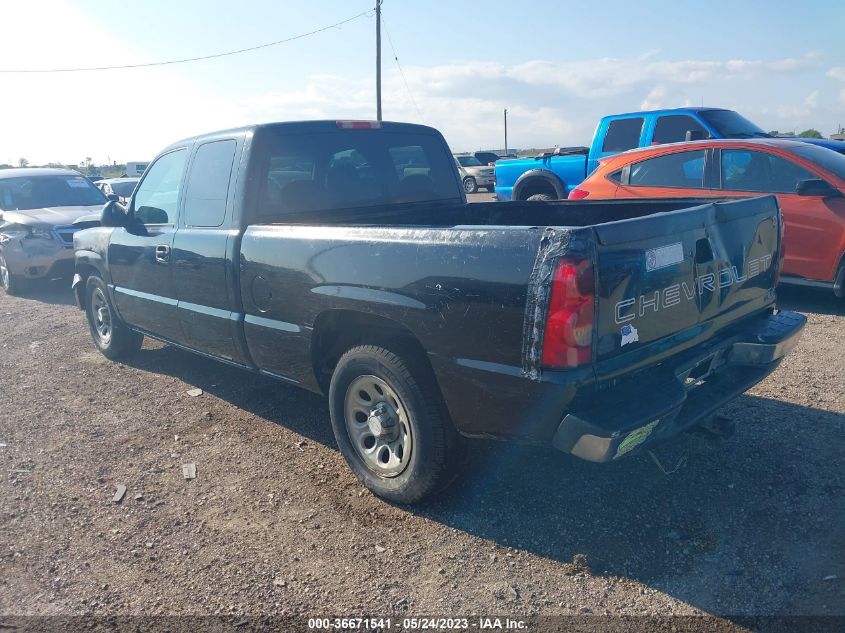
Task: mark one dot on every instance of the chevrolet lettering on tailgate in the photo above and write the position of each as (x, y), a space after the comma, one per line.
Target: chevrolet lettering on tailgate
(630, 309)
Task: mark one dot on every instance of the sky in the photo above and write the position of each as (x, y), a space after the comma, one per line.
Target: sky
(556, 65)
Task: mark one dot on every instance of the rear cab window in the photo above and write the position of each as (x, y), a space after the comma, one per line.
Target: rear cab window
(623, 134)
(348, 169)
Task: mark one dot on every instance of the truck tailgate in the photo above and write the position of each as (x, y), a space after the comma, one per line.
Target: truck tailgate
(662, 277)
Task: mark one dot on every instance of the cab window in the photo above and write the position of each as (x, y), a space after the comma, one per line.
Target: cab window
(157, 196)
(673, 128)
(208, 184)
(622, 135)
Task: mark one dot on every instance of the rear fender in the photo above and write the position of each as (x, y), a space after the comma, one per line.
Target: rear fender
(532, 176)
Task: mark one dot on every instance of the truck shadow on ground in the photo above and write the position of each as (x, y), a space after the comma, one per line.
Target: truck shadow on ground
(741, 526)
(744, 524)
(53, 292)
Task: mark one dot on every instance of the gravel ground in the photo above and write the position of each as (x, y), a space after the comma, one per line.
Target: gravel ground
(275, 524)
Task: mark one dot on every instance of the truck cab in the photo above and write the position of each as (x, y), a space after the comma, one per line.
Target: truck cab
(554, 174)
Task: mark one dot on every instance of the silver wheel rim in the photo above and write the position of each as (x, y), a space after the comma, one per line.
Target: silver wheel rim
(469, 185)
(4, 272)
(378, 426)
(101, 315)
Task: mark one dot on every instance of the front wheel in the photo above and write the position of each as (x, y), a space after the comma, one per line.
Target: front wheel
(389, 425)
(12, 284)
(470, 186)
(540, 197)
(110, 334)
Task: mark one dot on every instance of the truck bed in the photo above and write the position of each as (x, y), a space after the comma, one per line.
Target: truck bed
(563, 213)
(471, 284)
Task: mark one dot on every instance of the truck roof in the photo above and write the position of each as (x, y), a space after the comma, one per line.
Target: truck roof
(305, 127)
(663, 111)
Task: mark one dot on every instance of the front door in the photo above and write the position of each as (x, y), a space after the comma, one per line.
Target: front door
(811, 227)
(140, 255)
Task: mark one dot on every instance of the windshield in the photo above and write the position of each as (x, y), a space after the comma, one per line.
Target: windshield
(38, 192)
(123, 189)
(827, 159)
(730, 124)
(469, 161)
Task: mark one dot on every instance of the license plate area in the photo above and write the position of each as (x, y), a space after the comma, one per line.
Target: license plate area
(697, 374)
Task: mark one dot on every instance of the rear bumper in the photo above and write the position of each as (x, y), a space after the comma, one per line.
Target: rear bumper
(639, 413)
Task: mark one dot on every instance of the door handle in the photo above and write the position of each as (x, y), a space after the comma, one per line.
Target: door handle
(163, 254)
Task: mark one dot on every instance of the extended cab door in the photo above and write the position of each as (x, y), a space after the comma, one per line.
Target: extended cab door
(204, 252)
(140, 255)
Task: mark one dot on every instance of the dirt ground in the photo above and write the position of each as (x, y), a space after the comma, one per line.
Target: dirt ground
(275, 524)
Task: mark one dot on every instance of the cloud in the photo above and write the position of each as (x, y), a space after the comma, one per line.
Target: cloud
(653, 100)
(837, 72)
(131, 115)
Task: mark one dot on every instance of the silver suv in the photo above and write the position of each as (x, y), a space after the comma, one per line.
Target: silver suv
(474, 174)
(40, 210)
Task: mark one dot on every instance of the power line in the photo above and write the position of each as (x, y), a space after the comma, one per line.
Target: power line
(191, 59)
(402, 72)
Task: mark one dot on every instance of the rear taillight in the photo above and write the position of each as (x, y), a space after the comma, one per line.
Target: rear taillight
(577, 194)
(568, 338)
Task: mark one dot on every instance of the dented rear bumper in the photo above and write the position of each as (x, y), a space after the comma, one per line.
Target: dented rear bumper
(643, 410)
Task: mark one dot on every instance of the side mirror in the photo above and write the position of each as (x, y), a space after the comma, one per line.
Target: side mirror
(113, 214)
(113, 197)
(817, 187)
(695, 135)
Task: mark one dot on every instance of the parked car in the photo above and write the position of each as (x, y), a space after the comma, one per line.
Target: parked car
(40, 210)
(120, 187)
(475, 174)
(306, 252)
(808, 180)
(552, 175)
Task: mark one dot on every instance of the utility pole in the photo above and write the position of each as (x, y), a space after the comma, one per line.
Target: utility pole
(506, 131)
(378, 59)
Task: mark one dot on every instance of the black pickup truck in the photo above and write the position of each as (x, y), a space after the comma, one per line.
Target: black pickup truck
(342, 257)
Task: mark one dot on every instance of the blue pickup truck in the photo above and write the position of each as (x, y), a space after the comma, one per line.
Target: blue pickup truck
(553, 175)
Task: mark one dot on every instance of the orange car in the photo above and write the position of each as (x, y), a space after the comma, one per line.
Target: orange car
(809, 182)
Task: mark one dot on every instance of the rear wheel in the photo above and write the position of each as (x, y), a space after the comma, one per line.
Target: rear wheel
(12, 284)
(540, 197)
(389, 424)
(111, 336)
(470, 186)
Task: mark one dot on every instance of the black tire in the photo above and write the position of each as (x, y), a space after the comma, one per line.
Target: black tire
(432, 459)
(470, 186)
(12, 284)
(116, 340)
(540, 197)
